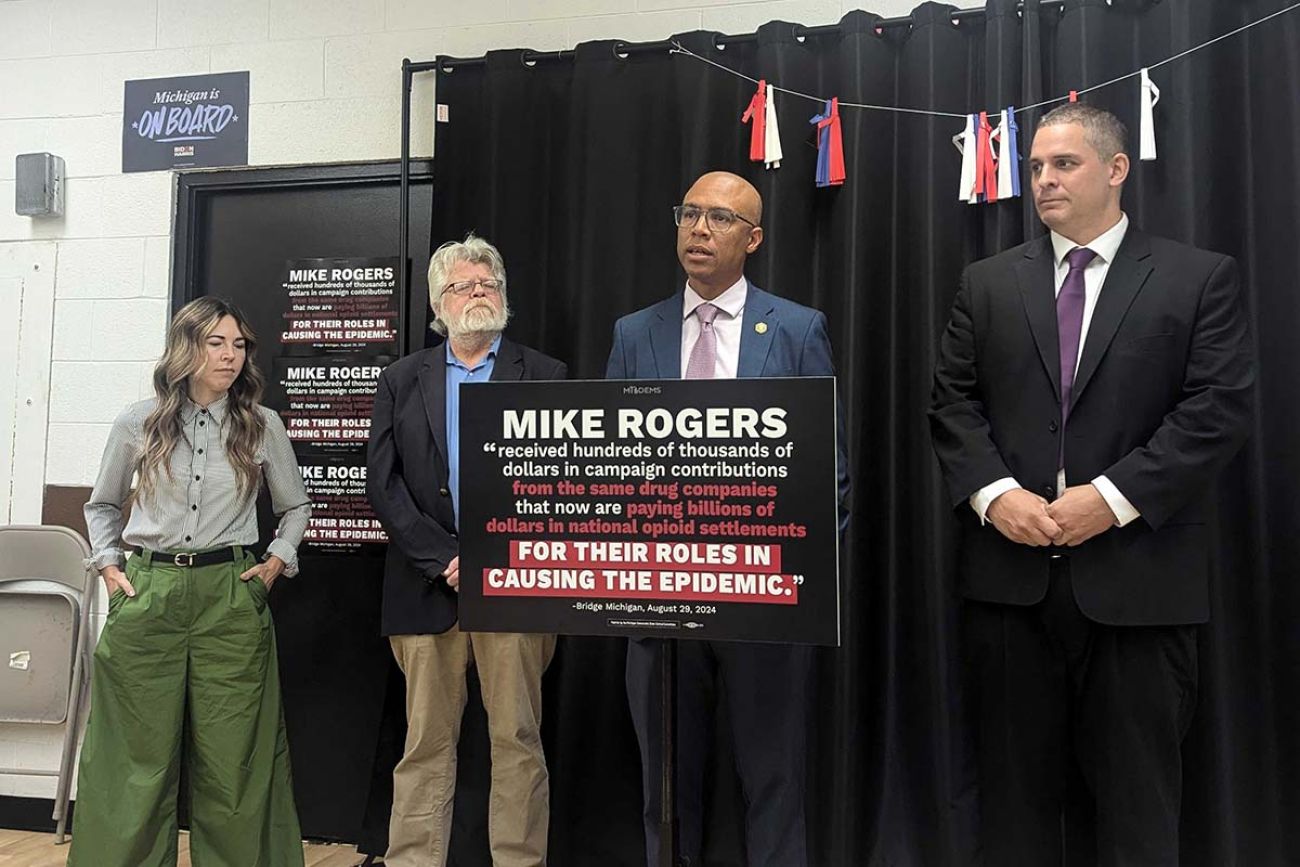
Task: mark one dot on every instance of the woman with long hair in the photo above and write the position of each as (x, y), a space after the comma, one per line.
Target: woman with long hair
(186, 663)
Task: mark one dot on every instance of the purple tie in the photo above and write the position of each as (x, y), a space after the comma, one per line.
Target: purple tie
(1069, 324)
(704, 354)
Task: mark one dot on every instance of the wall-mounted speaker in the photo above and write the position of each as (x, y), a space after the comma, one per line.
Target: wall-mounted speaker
(39, 185)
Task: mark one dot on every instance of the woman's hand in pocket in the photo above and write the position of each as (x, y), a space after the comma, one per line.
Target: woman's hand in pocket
(266, 571)
(115, 580)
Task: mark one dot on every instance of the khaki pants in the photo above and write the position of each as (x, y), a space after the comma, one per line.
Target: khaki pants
(510, 670)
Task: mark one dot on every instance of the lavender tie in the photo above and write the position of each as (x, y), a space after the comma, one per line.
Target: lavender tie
(704, 354)
(1069, 324)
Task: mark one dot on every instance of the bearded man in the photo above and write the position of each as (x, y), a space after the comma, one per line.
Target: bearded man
(413, 482)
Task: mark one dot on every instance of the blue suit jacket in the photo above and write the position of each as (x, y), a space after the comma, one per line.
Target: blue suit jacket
(648, 345)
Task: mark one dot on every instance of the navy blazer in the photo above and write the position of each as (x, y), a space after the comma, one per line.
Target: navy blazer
(648, 345)
(407, 475)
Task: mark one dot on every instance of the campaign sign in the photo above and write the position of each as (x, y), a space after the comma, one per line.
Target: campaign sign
(341, 517)
(338, 324)
(702, 509)
(325, 402)
(340, 306)
(191, 121)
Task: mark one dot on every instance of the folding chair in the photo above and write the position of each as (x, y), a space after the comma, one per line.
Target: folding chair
(47, 590)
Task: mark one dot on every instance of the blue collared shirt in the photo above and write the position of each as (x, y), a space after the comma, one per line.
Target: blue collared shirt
(458, 373)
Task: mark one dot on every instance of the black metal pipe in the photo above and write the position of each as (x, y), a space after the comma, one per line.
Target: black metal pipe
(669, 827)
(404, 205)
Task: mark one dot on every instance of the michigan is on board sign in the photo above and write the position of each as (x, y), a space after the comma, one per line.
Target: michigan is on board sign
(192, 121)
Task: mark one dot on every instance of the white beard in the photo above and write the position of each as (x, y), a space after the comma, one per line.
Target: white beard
(478, 319)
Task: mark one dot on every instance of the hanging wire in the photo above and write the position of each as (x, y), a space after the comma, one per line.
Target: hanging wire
(678, 48)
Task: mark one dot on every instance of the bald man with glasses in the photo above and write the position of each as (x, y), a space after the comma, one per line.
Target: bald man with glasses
(721, 326)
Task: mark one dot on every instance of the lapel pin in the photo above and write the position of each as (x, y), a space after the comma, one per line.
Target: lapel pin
(760, 327)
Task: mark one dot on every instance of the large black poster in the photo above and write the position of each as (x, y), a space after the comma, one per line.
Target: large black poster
(326, 401)
(337, 306)
(341, 513)
(339, 328)
(690, 509)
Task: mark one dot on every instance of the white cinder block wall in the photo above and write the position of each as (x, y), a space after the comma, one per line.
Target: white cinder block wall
(325, 76)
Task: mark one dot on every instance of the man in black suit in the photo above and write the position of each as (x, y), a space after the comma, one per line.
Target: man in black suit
(413, 483)
(1091, 384)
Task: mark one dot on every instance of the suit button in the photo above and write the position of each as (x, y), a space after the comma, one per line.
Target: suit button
(446, 492)
(1051, 426)
(454, 536)
(1049, 491)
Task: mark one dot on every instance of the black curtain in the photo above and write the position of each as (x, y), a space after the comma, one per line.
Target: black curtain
(571, 167)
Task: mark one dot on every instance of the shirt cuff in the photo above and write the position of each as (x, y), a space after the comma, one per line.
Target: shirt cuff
(107, 557)
(285, 552)
(1124, 511)
(984, 497)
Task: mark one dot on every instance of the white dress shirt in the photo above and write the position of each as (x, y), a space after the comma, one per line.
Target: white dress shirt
(1105, 245)
(726, 325)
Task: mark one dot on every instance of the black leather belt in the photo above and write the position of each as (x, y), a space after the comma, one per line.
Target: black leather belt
(193, 558)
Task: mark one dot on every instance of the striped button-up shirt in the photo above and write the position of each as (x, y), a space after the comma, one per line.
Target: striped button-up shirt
(199, 507)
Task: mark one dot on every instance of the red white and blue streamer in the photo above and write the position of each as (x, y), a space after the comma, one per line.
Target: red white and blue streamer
(830, 145)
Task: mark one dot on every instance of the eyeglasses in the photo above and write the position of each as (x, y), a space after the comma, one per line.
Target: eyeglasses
(720, 220)
(464, 287)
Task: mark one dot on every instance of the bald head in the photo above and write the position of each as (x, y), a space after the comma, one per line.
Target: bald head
(713, 248)
(744, 197)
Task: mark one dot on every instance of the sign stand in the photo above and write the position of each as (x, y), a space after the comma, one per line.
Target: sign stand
(668, 826)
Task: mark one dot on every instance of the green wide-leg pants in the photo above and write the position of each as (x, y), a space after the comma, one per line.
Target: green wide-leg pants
(194, 645)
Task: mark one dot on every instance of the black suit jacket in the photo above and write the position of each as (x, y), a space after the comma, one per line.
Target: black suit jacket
(1162, 401)
(406, 480)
